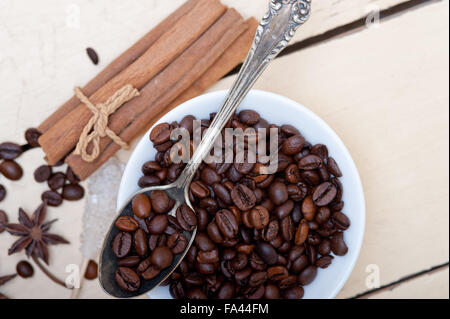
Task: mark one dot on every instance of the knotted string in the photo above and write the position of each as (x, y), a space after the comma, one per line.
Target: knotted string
(97, 127)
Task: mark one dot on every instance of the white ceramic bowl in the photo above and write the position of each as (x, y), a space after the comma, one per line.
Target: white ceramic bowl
(278, 110)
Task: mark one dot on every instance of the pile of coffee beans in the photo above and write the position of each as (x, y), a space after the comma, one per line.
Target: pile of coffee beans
(61, 185)
(260, 235)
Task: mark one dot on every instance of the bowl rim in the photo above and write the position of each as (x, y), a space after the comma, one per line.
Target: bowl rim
(220, 95)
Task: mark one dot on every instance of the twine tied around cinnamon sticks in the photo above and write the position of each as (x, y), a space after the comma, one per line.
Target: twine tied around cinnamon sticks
(97, 127)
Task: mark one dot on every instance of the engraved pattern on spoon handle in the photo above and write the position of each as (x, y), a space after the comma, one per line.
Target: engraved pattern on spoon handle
(274, 33)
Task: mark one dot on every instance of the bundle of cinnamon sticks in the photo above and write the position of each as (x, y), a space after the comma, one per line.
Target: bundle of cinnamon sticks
(179, 59)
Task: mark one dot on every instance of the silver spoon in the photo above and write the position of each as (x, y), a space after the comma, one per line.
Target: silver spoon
(275, 31)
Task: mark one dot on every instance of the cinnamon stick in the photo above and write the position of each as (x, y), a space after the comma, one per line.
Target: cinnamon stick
(165, 87)
(119, 64)
(59, 140)
(234, 55)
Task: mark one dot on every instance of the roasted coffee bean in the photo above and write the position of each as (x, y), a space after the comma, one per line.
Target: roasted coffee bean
(226, 291)
(193, 279)
(324, 262)
(222, 193)
(187, 123)
(209, 204)
(311, 252)
(32, 136)
(333, 167)
(127, 224)
(11, 170)
(338, 245)
(208, 257)
(302, 233)
(296, 214)
(151, 272)
(199, 189)
(56, 181)
(292, 174)
(93, 56)
(140, 242)
(277, 273)
(177, 290)
(158, 224)
(227, 223)
(53, 199)
(127, 279)
(294, 293)
(324, 194)
(150, 168)
(195, 294)
(312, 178)
(129, 262)
(3, 220)
(309, 208)
(71, 177)
(323, 215)
(177, 243)
(288, 282)
(91, 272)
(24, 269)
(320, 150)
(257, 279)
(210, 176)
(308, 275)
(313, 238)
(42, 173)
(72, 192)
(157, 241)
(186, 218)
(272, 292)
(299, 264)
(289, 130)
(122, 244)
(2, 192)
(239, 262)
(259, 217)
(203, 242)
(214, 233)
(249, 117)
(243, 197)
(10, 151)
(160, 134)
(310, 162)
(278, 193)
(162, 257)
(203, 219)
(284, 210)
(267, 253)
(141, 206)
(287, 228)
(341, 221)
(149, 181)
(160, 202)
(325, 247)
(293, 145)
(205, 269)
(271, 231)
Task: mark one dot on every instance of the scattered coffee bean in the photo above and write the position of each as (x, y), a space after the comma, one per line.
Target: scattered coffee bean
(141, 206)
(2, 192)
(333, 167)
(53, 199)
(3, 220)
(92, 55)
(11, 170)
(10, 151)
(32, 136)
(72, 192)
(91, 270)
(122, 244)
(71, 177)
(42, 173)
(24, 269)
(338, 245)
(186, 218)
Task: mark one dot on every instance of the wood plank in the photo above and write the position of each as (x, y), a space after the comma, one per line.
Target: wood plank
(429, 286)
(43, 56)
(385, 92)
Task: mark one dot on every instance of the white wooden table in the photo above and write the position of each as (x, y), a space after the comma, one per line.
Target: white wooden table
(383, 89)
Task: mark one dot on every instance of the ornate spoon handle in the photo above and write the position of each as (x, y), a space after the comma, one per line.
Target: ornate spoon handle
(273, 35)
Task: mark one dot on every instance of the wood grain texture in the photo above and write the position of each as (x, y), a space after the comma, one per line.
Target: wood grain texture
(385, 92)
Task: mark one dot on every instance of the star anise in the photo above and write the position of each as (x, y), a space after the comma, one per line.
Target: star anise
(33, 233)
(4, 280)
